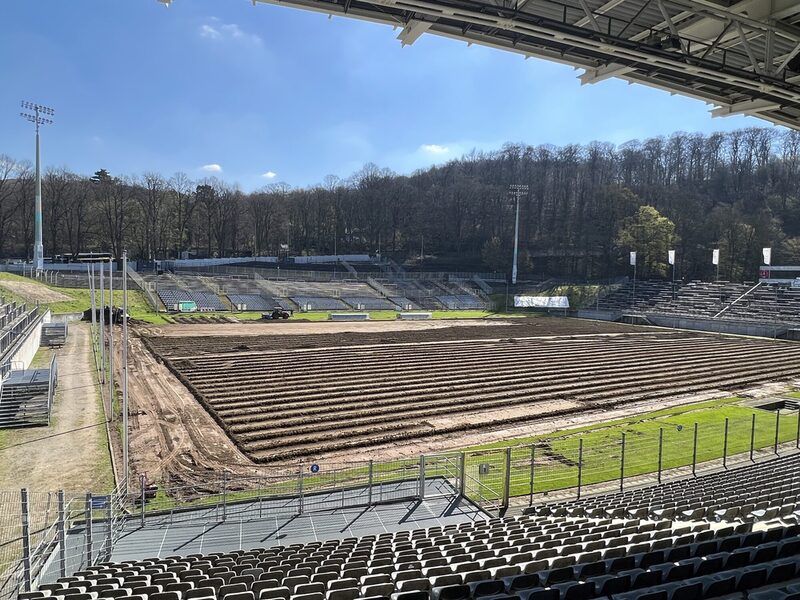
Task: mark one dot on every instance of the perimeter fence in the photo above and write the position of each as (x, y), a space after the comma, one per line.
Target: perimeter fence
(44, 535)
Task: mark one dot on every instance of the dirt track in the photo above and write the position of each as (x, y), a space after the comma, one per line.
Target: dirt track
(72, 453)
(214, 339)
(173, 439)
(32, 291)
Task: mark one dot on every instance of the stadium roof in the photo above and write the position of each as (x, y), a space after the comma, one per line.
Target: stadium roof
(743, 57)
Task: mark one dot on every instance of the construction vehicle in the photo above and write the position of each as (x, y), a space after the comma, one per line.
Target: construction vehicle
(276, 314)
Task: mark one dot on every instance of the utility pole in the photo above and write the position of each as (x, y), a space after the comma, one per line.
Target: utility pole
(517, 190)
(125, 442)
(37, 119)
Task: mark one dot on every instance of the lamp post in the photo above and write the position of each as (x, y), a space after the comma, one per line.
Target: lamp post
(517, 190)
(36, 117)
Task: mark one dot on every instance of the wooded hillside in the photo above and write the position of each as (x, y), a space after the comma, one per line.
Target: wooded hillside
(738, 191)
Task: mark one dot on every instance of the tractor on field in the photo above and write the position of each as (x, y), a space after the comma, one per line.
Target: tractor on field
(276, 314)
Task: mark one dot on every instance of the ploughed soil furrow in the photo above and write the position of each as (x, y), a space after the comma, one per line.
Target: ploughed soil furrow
(293, 447)
(278, 403)
(433, 406)
(348, 366)
(349, 373)
(377, 386)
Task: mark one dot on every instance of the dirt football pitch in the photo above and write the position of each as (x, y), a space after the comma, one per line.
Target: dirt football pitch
(287, 391)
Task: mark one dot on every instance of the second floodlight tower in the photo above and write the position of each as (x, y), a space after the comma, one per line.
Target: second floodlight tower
(39, 115)
(517, 190)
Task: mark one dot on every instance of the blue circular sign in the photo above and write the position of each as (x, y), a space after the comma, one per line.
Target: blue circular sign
(315, 468)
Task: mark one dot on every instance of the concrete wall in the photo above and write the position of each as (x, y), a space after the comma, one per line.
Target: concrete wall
(719, 326)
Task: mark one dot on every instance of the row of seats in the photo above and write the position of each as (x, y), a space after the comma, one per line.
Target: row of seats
(203, 300)
(705, 300)
(525, 557)
(756, 492)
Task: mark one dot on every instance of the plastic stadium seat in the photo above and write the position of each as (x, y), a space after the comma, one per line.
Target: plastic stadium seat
(605, 585)
(410, 596)
(234, 596)
(781, 570)
(487, 588)
(521, 582)
(574, 590)
(451, 592)
(539, 594)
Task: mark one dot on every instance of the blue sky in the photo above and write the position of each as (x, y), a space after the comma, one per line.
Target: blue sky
(260, 94)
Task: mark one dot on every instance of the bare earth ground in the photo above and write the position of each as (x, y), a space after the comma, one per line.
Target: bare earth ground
(304, 327)
(72, 452)
(34, 292)
(175, 440)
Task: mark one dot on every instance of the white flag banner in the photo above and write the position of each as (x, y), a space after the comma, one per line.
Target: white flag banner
(715, 256)
(767, 252)
(672, 257)
(633, 259)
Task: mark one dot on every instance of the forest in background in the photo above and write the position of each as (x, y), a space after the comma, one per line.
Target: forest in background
(587, 206)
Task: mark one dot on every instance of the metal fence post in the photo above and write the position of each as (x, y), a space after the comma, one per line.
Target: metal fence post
(88, 517)
(224, 495)
(660, 450)
(369, 490)
(462, 474)
(622, 463)
(777, 428)
(26, 540)
(507, 479)
(725, 446)
(421, 477)
(144, 498)
(694, 450)
(580, 465)
(109, 522)
(797, 444)
(752, 436)
(62, 538)
(533, 472)
(300, 475)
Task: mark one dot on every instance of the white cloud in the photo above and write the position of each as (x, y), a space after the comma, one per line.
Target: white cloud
(212, 168)
(215, 30)
(434, 149)
(269, 175)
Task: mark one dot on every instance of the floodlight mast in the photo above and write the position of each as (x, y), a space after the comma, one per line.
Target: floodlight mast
(38, 116)
(516, 190)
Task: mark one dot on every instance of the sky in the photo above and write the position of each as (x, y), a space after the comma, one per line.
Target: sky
(263, 94)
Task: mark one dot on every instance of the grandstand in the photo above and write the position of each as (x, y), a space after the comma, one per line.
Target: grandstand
(205, 301)
(611, 546)
(724, 300)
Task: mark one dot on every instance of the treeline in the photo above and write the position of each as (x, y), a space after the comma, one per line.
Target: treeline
(737, 191)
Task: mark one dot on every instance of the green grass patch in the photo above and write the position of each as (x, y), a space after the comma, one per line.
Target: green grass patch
(80, 300)
(794, 394)
(556, 468)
